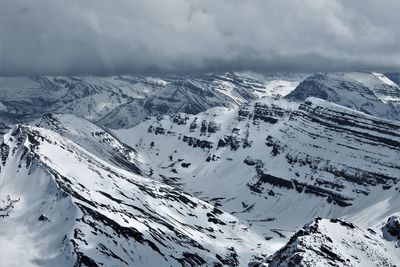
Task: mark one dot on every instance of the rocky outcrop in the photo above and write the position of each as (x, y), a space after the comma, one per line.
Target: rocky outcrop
(391, 229)
(334, 242)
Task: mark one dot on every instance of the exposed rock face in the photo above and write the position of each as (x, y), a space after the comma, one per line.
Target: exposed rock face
(391, 229)
(334, 242)
(94, 139)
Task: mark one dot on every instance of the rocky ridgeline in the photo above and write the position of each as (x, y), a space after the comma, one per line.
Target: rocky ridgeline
(391, 229)
(334, 242)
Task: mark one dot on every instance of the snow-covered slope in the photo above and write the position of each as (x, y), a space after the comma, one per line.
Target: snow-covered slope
(93, 139)
(63, 206)
(336, 242)
(278, 164)
(372, 93)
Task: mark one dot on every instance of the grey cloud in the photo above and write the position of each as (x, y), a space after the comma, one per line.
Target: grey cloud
(129, 36)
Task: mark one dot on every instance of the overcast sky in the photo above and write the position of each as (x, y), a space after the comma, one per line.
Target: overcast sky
(129, 36)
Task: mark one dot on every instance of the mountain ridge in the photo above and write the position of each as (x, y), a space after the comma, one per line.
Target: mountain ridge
(107, 211)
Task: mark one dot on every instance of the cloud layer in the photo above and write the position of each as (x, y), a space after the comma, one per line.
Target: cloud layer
(129, 36)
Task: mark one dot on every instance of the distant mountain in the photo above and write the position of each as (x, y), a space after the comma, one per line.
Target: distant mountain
(123, 101)
(192, 95)
(91, 97)
(372, 93)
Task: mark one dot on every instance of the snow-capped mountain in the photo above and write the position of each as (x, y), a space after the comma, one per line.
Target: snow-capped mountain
(336, 242)
(372, 93)
(278, 164)
(182, 95)
(192, 95)
(64, 206)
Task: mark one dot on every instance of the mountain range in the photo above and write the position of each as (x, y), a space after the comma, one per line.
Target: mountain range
(232, 169)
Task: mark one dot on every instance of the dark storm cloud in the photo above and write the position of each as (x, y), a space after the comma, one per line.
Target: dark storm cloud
(128, 36)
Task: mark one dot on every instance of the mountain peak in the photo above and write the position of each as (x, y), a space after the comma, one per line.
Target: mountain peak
(334, 242)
